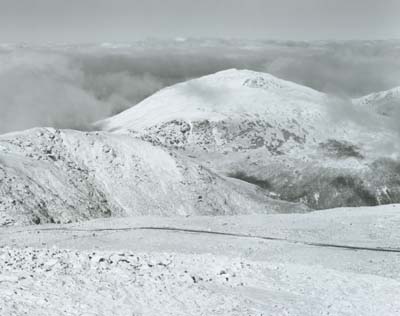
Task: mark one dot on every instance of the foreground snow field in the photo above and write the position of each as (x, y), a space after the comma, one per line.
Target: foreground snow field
(333, 262)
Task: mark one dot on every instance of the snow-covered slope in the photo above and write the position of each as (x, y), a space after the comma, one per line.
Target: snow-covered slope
(235, 142)
(207, 266)
(228, 110)
(49, 175)
(287, 138)
(238, 110)
(385, 103)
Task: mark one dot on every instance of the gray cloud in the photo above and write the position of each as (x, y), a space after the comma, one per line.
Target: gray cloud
(74, 86)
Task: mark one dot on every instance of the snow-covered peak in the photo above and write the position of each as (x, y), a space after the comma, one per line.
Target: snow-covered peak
(254, 79)
(218, 96)
(383, 102)
(387, 95)
(298, 143)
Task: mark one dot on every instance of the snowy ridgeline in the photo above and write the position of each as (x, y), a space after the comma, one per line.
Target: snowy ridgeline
(236, 142)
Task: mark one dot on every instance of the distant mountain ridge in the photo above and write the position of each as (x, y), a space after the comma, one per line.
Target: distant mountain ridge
(384, 102)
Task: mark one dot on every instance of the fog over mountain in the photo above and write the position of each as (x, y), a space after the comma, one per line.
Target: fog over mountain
(73, 86)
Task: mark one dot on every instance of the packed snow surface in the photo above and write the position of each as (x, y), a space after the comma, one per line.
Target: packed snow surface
(116, 267)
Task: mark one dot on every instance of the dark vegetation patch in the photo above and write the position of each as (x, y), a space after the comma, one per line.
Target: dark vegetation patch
(387, 165)
(358, 192)
(328, 192)
(341, 149)
(324, 188)
(262, 183)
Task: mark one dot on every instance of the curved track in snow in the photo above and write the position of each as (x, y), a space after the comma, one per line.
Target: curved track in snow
(239, 235)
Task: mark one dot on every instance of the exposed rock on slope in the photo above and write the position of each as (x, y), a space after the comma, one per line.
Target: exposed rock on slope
(49, 175)
(281, 136)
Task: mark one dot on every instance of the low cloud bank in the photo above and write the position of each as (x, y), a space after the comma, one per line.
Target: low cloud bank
(71, 87)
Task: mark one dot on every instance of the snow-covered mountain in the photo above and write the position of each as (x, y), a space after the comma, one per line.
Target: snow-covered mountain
(224, 111)
(49, 175)
(287, 138)
(233, 143)
(236, 142)
(385, 103)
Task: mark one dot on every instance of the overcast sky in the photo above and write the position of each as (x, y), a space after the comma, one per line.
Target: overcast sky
(39, 21)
